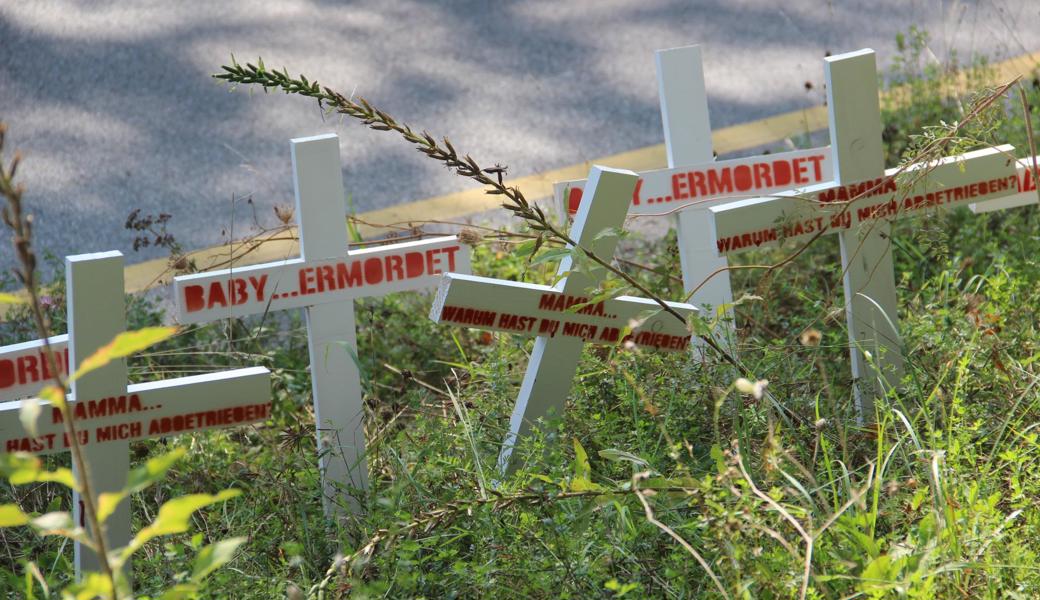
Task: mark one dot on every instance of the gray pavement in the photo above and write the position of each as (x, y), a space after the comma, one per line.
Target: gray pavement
(113, 106)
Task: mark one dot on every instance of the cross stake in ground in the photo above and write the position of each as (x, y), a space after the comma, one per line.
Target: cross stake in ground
(325, 280)
(109, 414)
(866, 254)
(693, 181)
(547, 312)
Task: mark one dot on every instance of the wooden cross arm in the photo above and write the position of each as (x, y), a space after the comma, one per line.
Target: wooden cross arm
(24, 369)
(665, 190)
(530, 309)
(147, 410)
(972, 177)
(1026, 189)
(296, 283)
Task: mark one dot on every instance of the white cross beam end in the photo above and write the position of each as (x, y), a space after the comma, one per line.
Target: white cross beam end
(24, 369)
(299, 283)
(147, 410)
(541, 310)
(973, 177)
(1026, 195)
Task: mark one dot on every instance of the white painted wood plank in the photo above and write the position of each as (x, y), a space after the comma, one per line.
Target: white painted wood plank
(96, 315)
(687, 137)
(24, 370)
(871, 305)
(147, 410)
(299, 283)
(684, 106)
(529, 309)
(661, 192)
(331, 335)
(978, 176)
(1026, 195)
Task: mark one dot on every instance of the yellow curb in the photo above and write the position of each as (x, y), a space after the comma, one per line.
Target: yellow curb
(148, 274)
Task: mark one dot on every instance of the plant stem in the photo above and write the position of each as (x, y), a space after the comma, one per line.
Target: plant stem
(465, 166)
(21, 226)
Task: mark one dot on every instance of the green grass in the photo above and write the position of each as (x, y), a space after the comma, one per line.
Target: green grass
(937, 500)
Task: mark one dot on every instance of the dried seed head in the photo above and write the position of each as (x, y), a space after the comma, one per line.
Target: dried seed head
(811, 337)
(756, 389)
(470, 237)
(284, 212)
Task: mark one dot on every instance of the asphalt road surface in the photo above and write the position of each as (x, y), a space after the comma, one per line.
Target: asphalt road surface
(114, 109)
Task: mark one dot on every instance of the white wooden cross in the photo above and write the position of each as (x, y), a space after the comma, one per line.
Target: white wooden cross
(109, 413)
(324, 280)
(694, 181)
(869, 277)
(546, 312)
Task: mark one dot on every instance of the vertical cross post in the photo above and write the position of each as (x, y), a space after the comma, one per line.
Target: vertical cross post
(96, 314)
(871, 306)
(687, 139)
(554, 362)
(331, 328)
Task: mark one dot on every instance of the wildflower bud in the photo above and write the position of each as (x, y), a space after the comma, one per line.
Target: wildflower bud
(756, 389)
(284, 212)
(470, 237)
(811, 337)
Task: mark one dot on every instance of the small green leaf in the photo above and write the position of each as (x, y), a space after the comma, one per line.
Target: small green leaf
(124, 345)
(620, 589)
(698, 325)
(22, 468)
(580, 466)
(54, 521)
(12, 516)
(153, 470)
(214, 556)
(552, 254)
(609, 232)
(181, 591)
(599, 296)
(55, 395)
(93, 585)
(60, 475)
(525, 249)
(61, 523)
(107, 503)
(615, 455)
(17, 461)
(173, 517)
